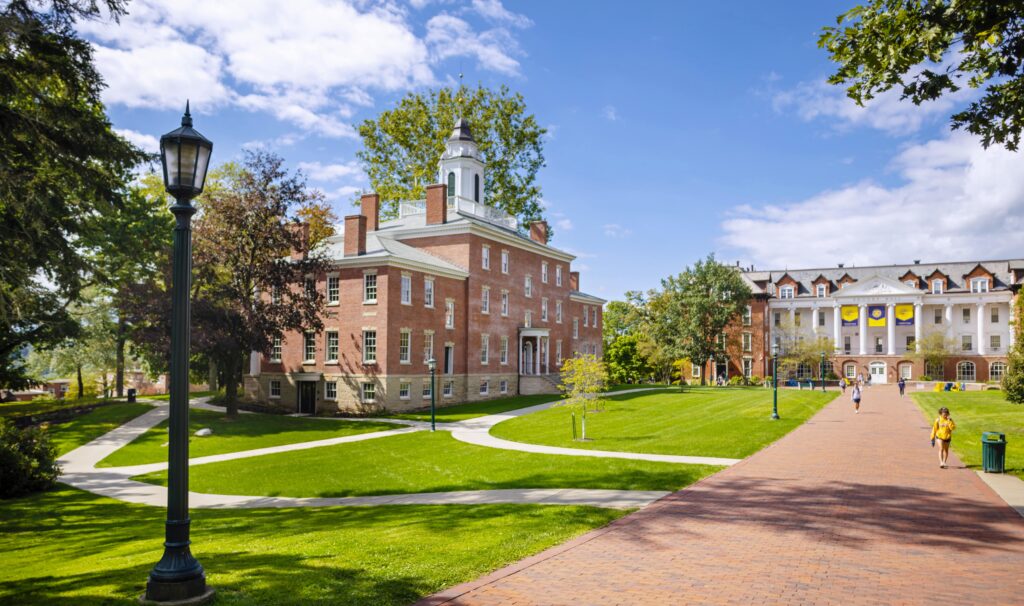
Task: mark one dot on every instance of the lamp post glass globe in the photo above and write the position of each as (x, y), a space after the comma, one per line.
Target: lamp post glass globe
(185, 157)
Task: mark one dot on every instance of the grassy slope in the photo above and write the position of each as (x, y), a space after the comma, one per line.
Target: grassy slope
(194, 394)
(425, 462)
(247, 432)
(721, 422)
(461, 412)
(975, 412)
(81, 430)
(25, 409)
(71, 547)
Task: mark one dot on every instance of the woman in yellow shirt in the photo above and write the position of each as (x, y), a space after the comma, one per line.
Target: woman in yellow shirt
(942, 430)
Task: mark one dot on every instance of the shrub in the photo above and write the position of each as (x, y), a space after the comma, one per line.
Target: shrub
(926, 378)
(735, 380)
(28, 460)
(831, 376)
(1013, 380)
(756, 380)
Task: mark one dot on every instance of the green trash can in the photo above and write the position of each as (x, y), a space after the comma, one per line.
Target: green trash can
(993, 452)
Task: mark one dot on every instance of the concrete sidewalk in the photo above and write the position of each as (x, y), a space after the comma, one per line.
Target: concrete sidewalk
(846, 509)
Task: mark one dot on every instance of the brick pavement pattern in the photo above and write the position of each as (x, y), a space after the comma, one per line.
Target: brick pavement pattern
(846, 509)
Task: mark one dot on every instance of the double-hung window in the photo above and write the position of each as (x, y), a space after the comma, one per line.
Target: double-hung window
(275, 351)
(428, 346)
(369, 346)
(558, 275)
(967, 315)
(747, 316)
(405, 347)
(575, 328)
(937, 286)
(504, 350)
(586, 316)
(979, 285)
(404, 389)
(786, 292)
(544, 310)
(504, 302)
(528, 321)
(528, 286)
(369, 288)
(309, 348)
(558, 312)
(485, 349)
(428, 292)
(449, 313)
(821, 290)
(333, 289)
(331, 390)
(485, 300)
(485, 257)
(275, 389)
(369, 393)
(332, 346)
(504, 261)
(406, 290)
(544, 272)
(748, 341)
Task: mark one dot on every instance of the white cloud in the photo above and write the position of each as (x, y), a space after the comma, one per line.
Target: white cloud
(614, 230)
(610, 113)
(309, 63)
(957, 201)
(329, 172)
(564, 224)
(147, 143)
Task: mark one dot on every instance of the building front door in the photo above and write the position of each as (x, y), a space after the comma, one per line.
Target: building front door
(449, 359)
(527, 359)
(877, 370)
(721, 370)
(307, 397)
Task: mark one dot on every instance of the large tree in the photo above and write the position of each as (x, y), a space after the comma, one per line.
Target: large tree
(402, 146)
(61, 167)
(886, 44)
(695, 307)
(244, 238)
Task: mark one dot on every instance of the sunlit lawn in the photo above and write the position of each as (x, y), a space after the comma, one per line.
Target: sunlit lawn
(247, 432)
(728, 422)
(93, 424)
(471, 410)
(975, 412)
(38, 407)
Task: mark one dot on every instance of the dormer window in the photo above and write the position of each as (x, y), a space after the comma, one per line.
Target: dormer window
(937, 285)
(979, 285)
(822, 291)
(911, 283)
(786, 292)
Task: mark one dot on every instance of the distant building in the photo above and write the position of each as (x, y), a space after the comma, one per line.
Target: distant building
(875, 314)
(451, 278)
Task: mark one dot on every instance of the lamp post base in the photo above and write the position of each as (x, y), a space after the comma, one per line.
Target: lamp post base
(205, 597)
(775, 416)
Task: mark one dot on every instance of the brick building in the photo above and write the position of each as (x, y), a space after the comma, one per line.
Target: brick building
(873, 315)
(450, 278)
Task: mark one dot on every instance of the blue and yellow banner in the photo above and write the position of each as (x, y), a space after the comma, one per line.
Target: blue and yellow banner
(850, 315)
(876, 315)
(904, 315)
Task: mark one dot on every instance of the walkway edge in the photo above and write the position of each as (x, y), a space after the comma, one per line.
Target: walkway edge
(1009, 488)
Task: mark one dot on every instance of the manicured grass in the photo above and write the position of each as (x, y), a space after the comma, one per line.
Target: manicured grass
(425, 462)
(708, 421)
(461, 412)
(37, 407)
(72, 547)
(93, 424)
(247, 432)
(975, 412)
(623, 386)
(194, 394)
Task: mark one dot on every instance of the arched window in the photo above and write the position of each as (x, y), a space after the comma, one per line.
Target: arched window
(965, 371)
(451, 186)
(996, 371)
(476, 188)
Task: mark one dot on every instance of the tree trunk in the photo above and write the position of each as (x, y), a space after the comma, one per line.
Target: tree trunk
(211, 378)
(81, 384)
(231, 387)
(119, 355)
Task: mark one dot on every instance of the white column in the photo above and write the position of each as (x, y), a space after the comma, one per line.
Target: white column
(949, 320)
(519, 354)
(837, 327)
(862, 324)
(814, 320)
(981, 329)
(890, 328)
(547, 355)
(918, 308)
(536, 358)
(792, 318)
(255, 358)
(1013, 329)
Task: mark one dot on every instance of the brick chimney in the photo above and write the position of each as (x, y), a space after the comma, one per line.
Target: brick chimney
(303, 230)
(369, 207)
(539, 232)
(437, 204)
(355, 235)
(574, 280)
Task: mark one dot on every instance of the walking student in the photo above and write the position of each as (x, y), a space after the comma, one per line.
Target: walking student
(903, 385)
(942, 430)
(842, 384)
(856, 399)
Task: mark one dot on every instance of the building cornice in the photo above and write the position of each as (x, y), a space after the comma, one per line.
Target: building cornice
(478, 229)
(400, 263)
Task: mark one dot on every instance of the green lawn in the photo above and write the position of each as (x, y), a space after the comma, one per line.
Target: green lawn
(623, 386)
(93, 424)
(708, 421)
(247, 432)
(71, 547)
(425, 462)
(36, 407)
(975, 412)
(194, 394)
(461, 412)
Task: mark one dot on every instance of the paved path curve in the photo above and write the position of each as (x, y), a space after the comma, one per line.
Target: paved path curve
(79, 468)
(846, 509)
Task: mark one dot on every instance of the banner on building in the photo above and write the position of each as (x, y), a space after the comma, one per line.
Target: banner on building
(876, 315)
(904, 315)
(850, 315)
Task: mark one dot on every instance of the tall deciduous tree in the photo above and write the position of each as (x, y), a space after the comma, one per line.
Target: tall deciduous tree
(933, 350)
(61, 166)
(402, 146)
(886, 44)
(696, 306)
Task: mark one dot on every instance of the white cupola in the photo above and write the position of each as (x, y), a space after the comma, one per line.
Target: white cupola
(460, 166)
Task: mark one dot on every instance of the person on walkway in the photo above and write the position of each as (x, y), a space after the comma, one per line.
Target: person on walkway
(856, 399)
(902, 385)
(942, 430)
(842, 384)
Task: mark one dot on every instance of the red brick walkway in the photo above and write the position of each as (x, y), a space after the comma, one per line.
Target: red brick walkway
(847, 509)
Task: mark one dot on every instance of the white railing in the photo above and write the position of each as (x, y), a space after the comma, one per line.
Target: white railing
(411, 207)
(465, 206)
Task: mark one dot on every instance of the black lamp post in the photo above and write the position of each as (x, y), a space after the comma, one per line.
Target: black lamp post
(821, 371)
(775, 382)
(178, 577)
(432, 365)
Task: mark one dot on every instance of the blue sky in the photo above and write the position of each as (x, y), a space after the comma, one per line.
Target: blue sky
(676, 129)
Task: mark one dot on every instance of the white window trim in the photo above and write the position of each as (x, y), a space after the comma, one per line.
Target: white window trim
(429, 302)
(270, 389)
(787, 292)
(408, 394)
(362, 393)
(327, 346)
(485, 257)
(367, 360)
(558, 275)
(407, 359)
(449, 314)
(979, 285)
(485, 349)
(376, 293)
(333, 302)
(821, 291)
(327, 395)
(937, 286)
(306, 358)
(544, 272)
(503, 352)
(505, 262)
(485, 300)
(405, 279)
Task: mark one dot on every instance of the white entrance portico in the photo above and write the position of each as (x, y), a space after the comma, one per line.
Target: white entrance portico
(534, 351)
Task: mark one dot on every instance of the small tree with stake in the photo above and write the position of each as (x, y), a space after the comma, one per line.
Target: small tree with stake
(583, 378)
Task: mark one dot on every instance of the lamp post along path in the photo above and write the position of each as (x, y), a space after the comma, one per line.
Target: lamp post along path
(432, 365)
(178, 577)
(775, 382)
